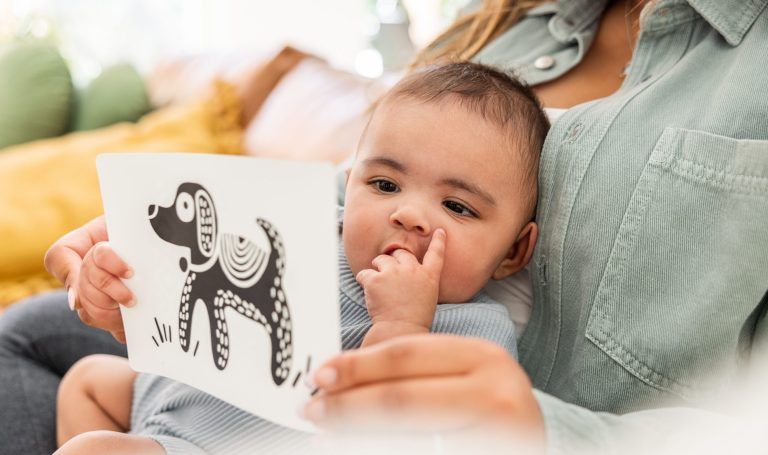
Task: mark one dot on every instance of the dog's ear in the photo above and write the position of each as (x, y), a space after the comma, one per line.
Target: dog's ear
(206, 223)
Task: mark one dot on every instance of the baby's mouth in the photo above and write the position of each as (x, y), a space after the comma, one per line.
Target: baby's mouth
(389, 250)
(394, 247)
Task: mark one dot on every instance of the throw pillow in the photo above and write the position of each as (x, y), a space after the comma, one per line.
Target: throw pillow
(117, 95)
(316, 112)
(35, 92)
(50, 187)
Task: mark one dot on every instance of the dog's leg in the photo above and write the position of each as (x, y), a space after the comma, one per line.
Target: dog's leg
(280, 332)
(219, 329)
(186, 306)
(276, 321)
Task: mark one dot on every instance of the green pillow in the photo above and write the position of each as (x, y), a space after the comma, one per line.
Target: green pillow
(117, 95)
(35, 93)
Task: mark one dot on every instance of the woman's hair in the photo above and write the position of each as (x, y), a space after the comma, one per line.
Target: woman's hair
(472, 32)
(500, 99)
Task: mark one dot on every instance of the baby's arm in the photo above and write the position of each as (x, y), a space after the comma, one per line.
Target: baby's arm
(400, 293)
(95, 394)
(112, 443)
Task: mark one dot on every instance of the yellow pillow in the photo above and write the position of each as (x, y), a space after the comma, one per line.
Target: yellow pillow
(50, 187)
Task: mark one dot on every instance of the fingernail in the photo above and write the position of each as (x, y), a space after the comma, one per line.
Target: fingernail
(130, 303)
(314, 410)
(71, 298)
(128, 274)
(325, 377)
(309, 382)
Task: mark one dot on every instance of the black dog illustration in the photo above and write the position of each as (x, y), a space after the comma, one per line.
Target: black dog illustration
(226, 270)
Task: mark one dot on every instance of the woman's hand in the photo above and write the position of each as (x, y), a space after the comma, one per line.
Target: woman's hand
(91, 272)
(435, 383)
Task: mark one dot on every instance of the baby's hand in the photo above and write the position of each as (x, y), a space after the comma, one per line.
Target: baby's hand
(401, 291)
(90, 270)
(99, 287)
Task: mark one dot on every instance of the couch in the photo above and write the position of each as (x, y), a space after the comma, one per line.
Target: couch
(285, 104)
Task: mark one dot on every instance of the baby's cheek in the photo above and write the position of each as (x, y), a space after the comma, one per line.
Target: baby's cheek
(461, 279)
(355, 249)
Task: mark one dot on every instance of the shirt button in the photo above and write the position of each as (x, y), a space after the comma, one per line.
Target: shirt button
(544, 62)
(573, 132)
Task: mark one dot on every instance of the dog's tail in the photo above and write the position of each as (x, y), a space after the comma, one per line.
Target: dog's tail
(278, 325)
(277, 260)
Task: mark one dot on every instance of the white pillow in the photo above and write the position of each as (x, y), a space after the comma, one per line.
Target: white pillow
(516, 293)
(316, 112)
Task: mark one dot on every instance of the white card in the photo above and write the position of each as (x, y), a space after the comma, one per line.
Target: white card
(236, 279)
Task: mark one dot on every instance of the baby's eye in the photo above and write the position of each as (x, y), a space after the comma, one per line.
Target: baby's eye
(459, 209)
(385, 186)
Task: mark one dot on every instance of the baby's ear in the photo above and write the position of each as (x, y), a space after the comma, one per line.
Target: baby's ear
(520, 253)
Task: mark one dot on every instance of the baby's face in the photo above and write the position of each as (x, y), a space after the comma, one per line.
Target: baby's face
(423, 166)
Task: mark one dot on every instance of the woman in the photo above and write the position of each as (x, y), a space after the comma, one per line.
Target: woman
(652, 261)
(651, 265)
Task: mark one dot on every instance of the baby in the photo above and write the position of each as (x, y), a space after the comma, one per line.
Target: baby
(439, 200)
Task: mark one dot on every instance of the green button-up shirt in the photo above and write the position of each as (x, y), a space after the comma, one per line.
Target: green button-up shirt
(652, 259)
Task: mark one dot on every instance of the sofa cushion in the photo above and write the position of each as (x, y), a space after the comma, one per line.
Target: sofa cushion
(316, 112)
(36, 92)
(116, 95)
(50, 187)
(179, 79)
(254, 75)
(257, 85)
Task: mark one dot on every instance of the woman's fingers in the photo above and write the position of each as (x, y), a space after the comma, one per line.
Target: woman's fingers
(424, 404)
(63, 263)
(65, 256)
(428, 383)
(404, 357)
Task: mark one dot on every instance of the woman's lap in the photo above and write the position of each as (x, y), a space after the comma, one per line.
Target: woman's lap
(40, 339)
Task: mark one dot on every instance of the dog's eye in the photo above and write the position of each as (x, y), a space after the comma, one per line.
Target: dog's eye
(185, 207)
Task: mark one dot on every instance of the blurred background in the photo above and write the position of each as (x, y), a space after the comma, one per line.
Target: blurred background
(280, 79)
(365, 36)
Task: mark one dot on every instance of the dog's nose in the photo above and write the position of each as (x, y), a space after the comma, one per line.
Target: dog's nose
(152, 211)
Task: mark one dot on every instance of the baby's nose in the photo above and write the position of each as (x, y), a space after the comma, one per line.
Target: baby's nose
(411, 219)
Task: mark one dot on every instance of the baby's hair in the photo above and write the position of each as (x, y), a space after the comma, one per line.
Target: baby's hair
(499, 98)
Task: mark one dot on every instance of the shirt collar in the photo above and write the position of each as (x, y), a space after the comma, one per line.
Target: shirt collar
(731, 18)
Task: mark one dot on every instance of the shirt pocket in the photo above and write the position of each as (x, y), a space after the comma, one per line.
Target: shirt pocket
(689, 263)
